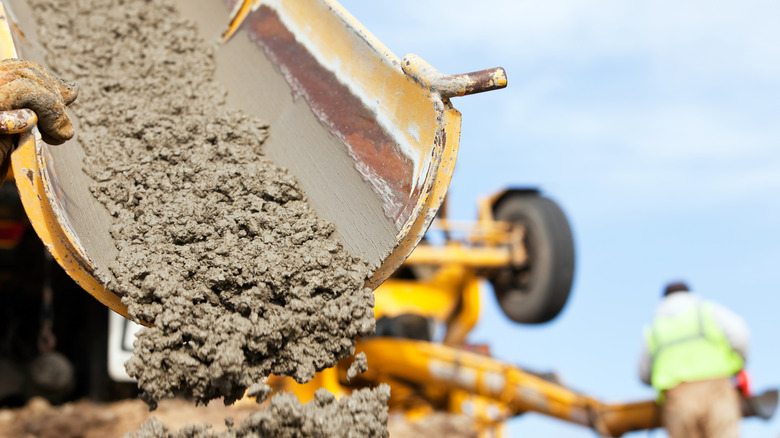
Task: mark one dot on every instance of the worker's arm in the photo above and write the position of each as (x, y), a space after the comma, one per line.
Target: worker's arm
(646, 365)
(734, 327)
(25, 84)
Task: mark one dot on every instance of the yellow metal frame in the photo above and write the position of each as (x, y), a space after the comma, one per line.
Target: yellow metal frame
(492, 390)
(487, 244)
(488, 390)
(435, 297)
(454, 253)
(433, 364)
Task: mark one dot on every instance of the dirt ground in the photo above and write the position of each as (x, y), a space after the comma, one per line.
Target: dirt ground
(85, 419)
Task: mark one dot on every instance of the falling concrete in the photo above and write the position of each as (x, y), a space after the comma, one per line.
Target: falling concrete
(217, 247)
(362, 414)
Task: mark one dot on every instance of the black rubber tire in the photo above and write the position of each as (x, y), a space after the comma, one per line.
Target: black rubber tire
(537, 292)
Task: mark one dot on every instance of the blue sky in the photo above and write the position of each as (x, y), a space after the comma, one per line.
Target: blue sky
(654, 126)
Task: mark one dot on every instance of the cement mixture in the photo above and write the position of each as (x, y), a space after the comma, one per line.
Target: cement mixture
(217, 246)
(359, 365)
(361, 414)
(351, 416)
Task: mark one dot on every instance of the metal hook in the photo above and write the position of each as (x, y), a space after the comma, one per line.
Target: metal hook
(448, 86)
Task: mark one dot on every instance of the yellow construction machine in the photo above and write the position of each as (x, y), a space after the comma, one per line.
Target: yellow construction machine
(522, 245)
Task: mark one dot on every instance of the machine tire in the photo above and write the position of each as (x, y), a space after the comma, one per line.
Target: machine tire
(536, 293)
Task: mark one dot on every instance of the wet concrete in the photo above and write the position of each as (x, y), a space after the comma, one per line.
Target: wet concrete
(361, 414)
(217, 246)
(359, 365)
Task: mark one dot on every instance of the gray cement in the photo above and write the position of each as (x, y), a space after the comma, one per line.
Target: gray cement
(359, 365)
(363, 414)
(217, 246)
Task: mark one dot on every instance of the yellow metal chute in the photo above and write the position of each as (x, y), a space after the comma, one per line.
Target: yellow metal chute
(371, 138)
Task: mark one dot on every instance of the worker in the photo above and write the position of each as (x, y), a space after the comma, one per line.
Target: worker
(691, 351)
(25, 84)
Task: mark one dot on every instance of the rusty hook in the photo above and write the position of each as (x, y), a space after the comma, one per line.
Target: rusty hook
(448, 86)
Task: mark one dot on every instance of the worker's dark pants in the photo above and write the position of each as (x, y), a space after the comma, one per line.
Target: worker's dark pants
(704, 409)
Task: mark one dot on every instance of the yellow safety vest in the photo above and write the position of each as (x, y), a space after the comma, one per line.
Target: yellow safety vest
(689, 347)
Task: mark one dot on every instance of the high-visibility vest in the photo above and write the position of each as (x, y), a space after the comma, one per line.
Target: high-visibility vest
(689, 347)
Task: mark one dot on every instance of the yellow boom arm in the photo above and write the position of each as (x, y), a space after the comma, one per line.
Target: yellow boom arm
(517, 391)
